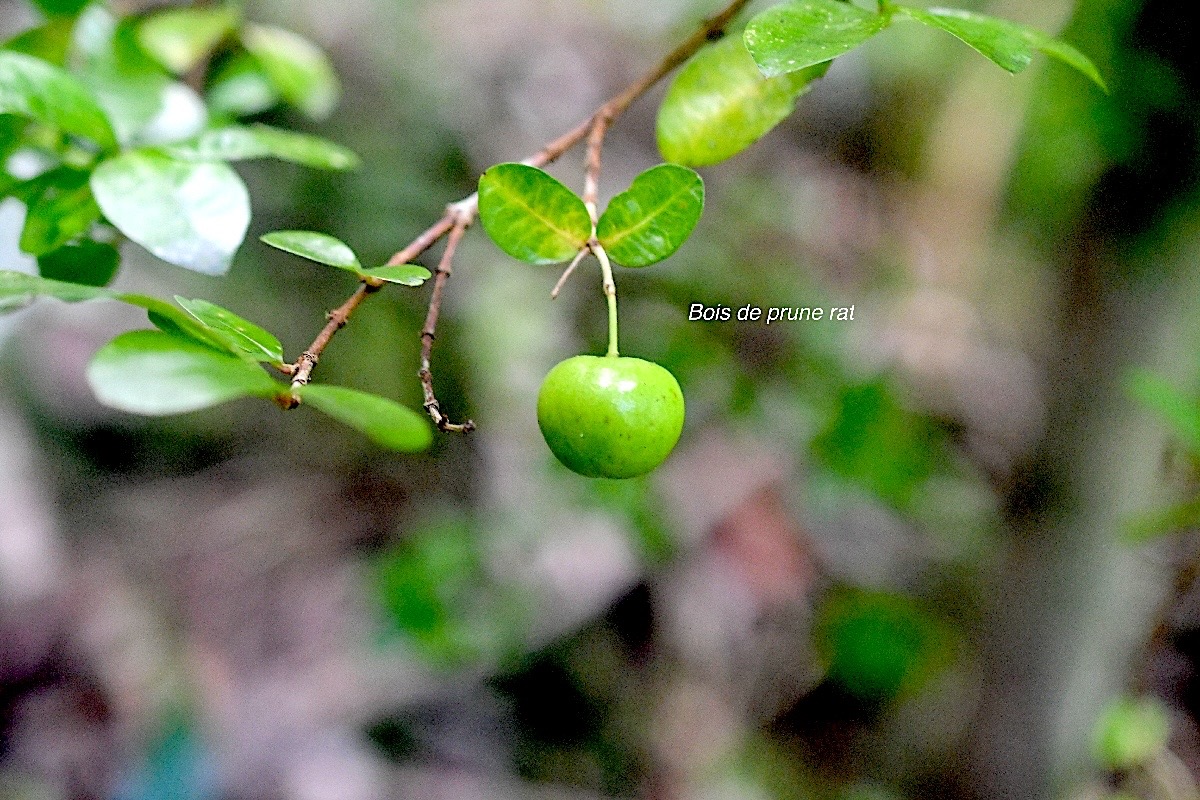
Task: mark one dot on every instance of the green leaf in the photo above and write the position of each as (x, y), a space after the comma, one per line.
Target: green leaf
(54, 8)
(319, 247)
(791, 37)
(133, 89)
(87, 262)
(152, 372)
(193, 215)
(405, 274)
(531, 216)
(18, 288)
(650, 220)
(1180, 411)
(259, 344)
(299, 70)
(878, 645)
(237, 143)
(1131, 732)
(181, 38)
(1161, 522)
(385, 422)
(719, 104)
(41, 91)
(48, 41)
(875, 442)
(1007, 44)
(60, 210)
(240, 88)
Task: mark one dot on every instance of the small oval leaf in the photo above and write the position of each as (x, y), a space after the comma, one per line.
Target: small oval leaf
(239, 142)
(193, 215)
(405, 274)
(650, 220)
(152, 372)
(385, 422)
(719, 104)
(319, 247)
(41, 91)
(259, 344)
(796, 35)
(531, 215)
(299, 70)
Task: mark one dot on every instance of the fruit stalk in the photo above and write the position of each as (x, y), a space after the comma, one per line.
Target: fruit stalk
(610, 294)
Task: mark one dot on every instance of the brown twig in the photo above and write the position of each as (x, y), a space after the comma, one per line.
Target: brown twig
(336, 320)
(461, 222)
(594, 127)
(591, 173)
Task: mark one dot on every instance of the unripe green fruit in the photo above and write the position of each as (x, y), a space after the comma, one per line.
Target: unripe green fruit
(610, 416)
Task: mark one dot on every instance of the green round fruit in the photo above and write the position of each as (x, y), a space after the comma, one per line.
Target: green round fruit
(610, 416)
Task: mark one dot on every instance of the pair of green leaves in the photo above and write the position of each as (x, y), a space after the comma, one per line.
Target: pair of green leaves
(535, 218)
(734, 91)
(201, 355)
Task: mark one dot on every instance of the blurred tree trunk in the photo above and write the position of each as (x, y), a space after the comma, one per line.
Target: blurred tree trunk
(1065, 617)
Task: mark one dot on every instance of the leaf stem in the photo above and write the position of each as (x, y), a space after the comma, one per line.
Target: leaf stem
(610, 294)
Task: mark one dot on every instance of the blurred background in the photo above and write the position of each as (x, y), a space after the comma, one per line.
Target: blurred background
(944, 550)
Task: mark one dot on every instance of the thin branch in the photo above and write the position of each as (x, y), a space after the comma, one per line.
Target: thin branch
(596, 125)
(336, 320)
(429, 330)
(591, 174)
(567, 273)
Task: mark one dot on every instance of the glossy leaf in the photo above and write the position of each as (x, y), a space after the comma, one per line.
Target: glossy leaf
(257, 343)
(298, 68)
(61, 210)
(36, 89)
(1007, 44)
(531, 215)
(238, 142)
(181, 38)
(193, 215)
(405, 274)
(87, 262)
(319, 247)
(154, 373)
(385, 422)
(719, 104)
(796, 35)
(650, 220)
